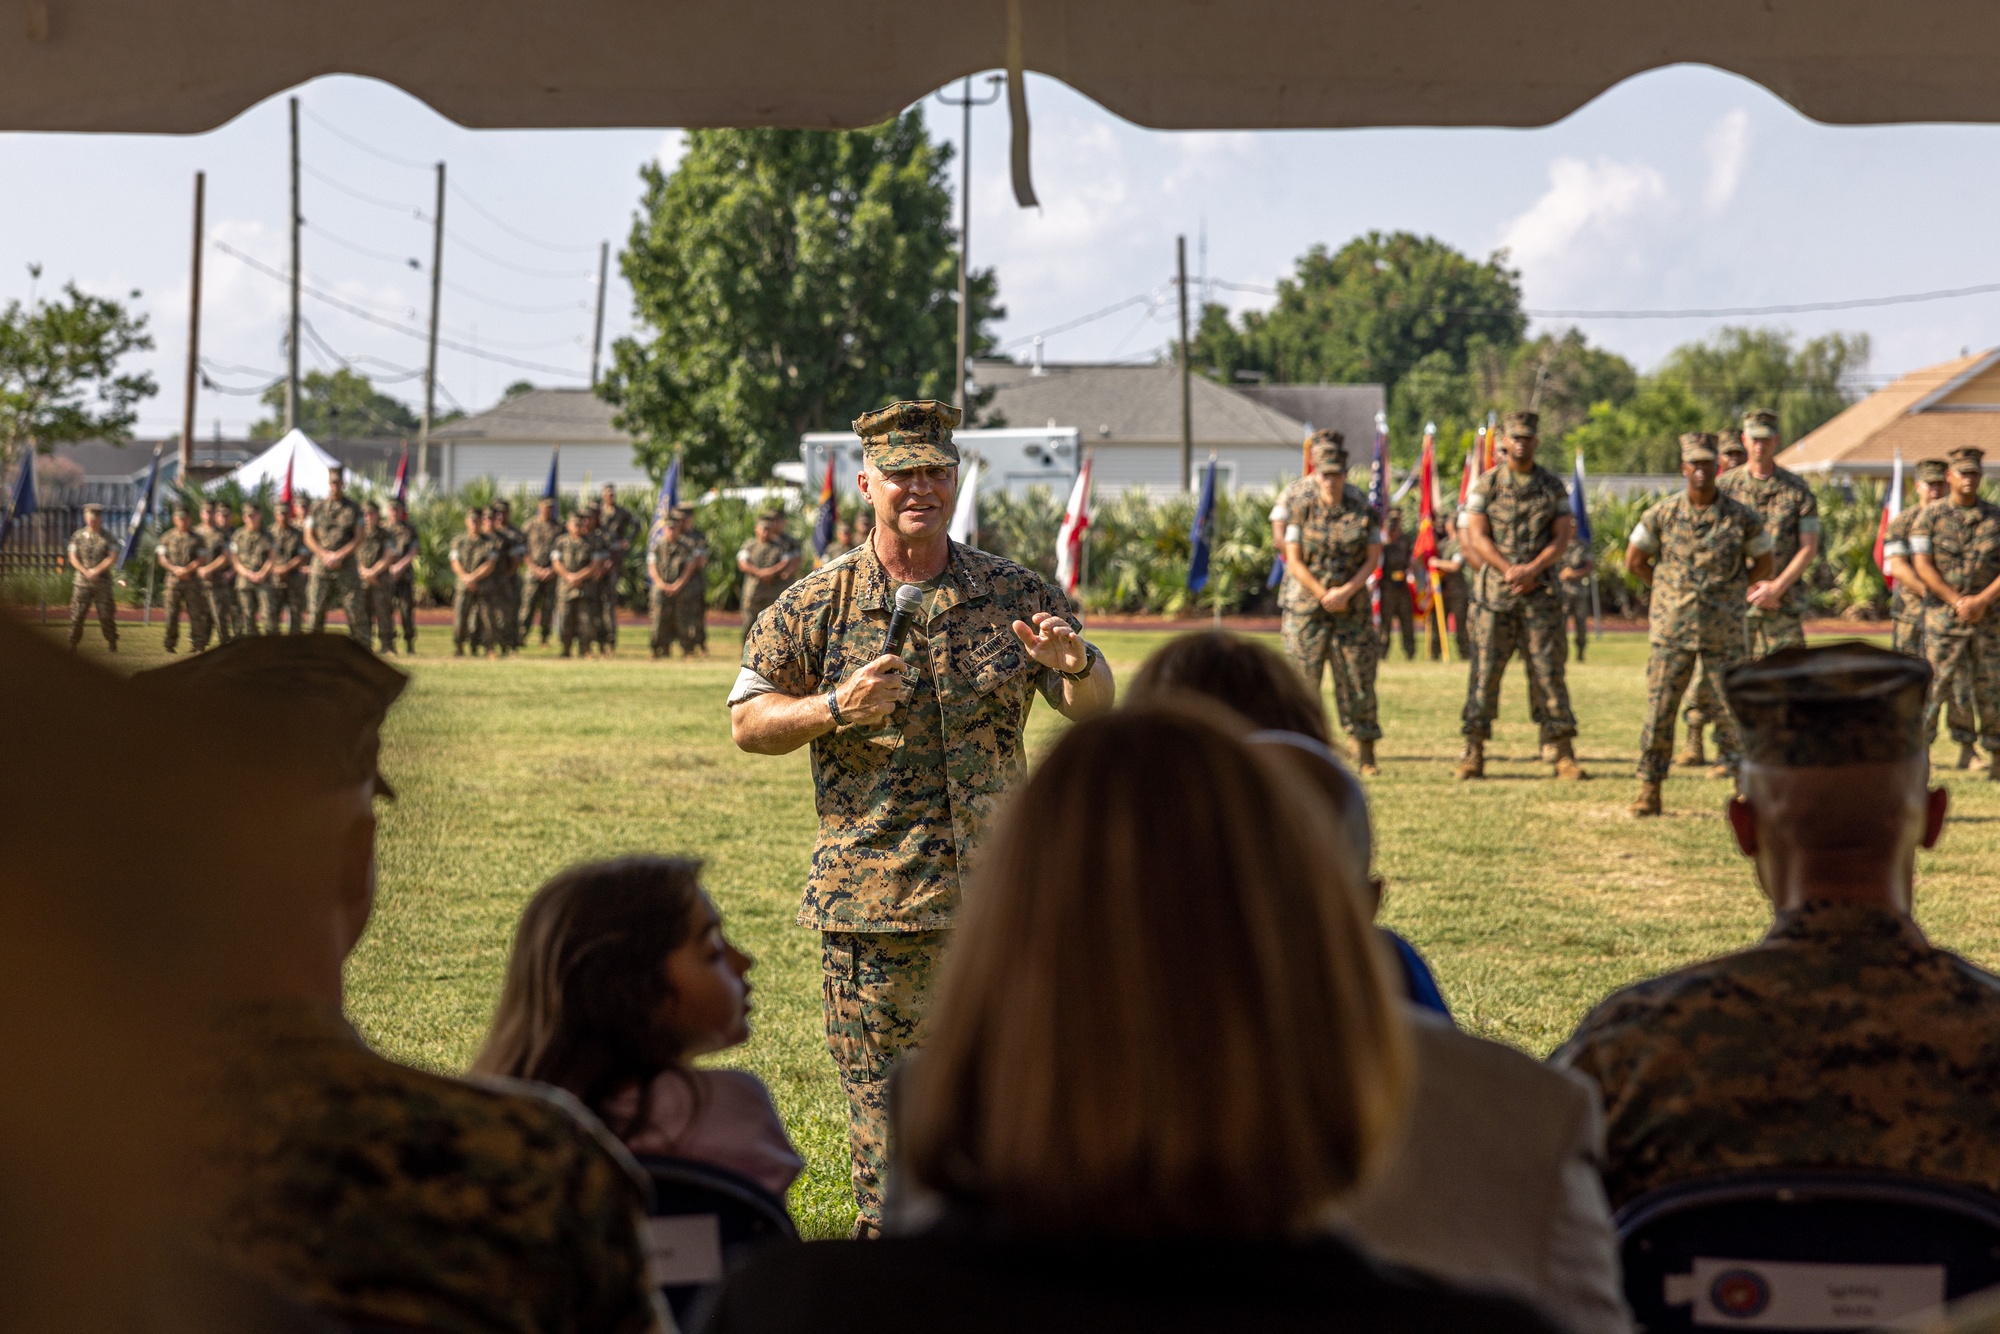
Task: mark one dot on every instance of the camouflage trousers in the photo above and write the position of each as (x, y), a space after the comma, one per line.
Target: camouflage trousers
(694, 617)
(1315, 640)
(343, 583)
(222, 609)
(538, 598)
(576, 620)
(1576, 618)
(1454, 620)
(505, 611)
(1964, 658)
(187, 595)
(665, 631)
(757, 596)
(1908, 637)
(378, 615)
(1762, 635)
(99, 596)
(1534, 627)
(254, 609)
(1669, 668)
(288, 595)
(403, 598)
(607, 611)
(876, 987)
(1399, 612)
(469, 623)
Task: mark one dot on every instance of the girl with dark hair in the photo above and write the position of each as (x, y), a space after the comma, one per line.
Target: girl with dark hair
(621, 975)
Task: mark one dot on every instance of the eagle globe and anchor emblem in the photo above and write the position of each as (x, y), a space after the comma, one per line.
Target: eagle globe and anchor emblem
(1741, 1294)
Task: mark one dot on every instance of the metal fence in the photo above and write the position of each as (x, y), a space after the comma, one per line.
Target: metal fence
(38, 543)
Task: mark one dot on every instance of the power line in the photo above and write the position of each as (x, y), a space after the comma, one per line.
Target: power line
(347, 363)
(1077, 323)
(514, 231)
(1691, 313)
(532, 272)
(401, 261)
(363, 195)
(558, 309)
(341, 134)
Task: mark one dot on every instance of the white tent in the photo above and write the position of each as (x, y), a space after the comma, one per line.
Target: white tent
(309, 466)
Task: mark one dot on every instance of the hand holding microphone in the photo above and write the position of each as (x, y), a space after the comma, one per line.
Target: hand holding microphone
(875, 692)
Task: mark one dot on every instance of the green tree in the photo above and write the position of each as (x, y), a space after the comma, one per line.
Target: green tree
(1641, 434)
(59, 377)
(1742, 368)
(343, 403)
(1370, 312)
(787, 281)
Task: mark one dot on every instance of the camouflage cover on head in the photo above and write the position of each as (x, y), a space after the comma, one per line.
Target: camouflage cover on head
(1845, 703)
(1968, 459)
(93, 508)
(1760, 423)
(1732, 447)
(1932, 470)
(911, 434)
(1329, 451)
(1698, 447)
(1523, 425)
(773, 514)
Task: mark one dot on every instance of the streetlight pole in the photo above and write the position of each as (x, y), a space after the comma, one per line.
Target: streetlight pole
(967, 102)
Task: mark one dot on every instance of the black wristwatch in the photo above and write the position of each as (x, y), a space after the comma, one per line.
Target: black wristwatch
(1089, 664)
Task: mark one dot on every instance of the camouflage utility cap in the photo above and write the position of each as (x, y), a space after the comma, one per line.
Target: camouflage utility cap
(1968, 459)
(1845, 703)
(1932, 470)
(93, 508)
(683, 511)
(1328, 455)
(1760, 423)
(1698, 447)
(915, 434)
(1522, 425)
(772, 515)
(1734, 448)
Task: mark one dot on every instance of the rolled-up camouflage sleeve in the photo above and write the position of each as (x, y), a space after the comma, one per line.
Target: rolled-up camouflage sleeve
(777, 655)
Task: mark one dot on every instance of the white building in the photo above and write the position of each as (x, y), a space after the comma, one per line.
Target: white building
(511, 443)
(1010, 460)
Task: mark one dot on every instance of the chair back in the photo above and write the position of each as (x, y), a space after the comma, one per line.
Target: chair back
(1821, 1250)
(704, 1222)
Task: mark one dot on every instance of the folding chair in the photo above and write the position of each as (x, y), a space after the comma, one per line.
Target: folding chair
(705, 1221)
(1804, 1250)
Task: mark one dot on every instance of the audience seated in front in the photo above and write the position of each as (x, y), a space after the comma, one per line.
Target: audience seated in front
(620, 975)
(1843, 1039)
(370, 1191)
(1261, 686)
(1164, 1043)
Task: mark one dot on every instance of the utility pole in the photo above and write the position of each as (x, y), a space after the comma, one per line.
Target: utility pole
(292, 338)
(967, 102)
(597, 339)
(431, 357)
(194, 335)
(1187, 369)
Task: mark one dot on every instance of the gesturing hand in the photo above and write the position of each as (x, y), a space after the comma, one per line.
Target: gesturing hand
(1051, 642)
(872, 694)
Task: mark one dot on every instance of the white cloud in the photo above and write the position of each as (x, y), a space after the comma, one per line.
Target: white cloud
(1587, 204)
(1728, 150)
(673, 147)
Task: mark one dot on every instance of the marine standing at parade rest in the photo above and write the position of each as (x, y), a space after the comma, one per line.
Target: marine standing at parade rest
(402, 539)
(332, 530)
(1573, 575)
(1701, 552)
(1911, 602)
(574, 559)
(1519, 524)
(181, 554)
(1398, 607)
(911, 752)
(250, 558)
(1955, 546)
(217, 579)
(510, 544)
(618, 530)
(769, 562)
(471, 561)
(538, 584)
(494, 605)
(693, 616)
(288, 580)
(672, 564)
(842, 543)
(372, 555)
(1333, 542)
(1791, 520)
(93, 557)
(1455, 604)
(1297, 492)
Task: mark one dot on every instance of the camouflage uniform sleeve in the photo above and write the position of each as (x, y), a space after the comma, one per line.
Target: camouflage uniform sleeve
(778, 648)
(1646, 534)
(616, 1289)
(1756, 541)
(1808, 511)
(1920, 530)
(1046, 597)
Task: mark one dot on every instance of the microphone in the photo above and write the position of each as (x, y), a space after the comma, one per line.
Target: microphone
(907, 598)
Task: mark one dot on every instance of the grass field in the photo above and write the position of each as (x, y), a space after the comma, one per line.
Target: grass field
(1531, 898)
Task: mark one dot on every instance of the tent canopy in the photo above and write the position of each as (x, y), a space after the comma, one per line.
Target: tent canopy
(139, 65)
(309, 466)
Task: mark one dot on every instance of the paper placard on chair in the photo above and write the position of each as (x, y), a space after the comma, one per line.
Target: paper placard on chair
(684, 1248)
(1755, 1294)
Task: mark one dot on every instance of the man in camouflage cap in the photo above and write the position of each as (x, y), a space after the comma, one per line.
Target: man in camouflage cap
(1785, 503)
(674, 564)
(333, 526)
(93, 559)
(289, 554)
(1332, 543)
(1705, 701)
(180, 554)
(1955, 547)
(250, 557)
(472, 560)
(692, 617)
(1519, 525)
(1844, 1039)
(217, 580)
(574, 559)
(377, 1194)
(1911, 602)
(911, 751)
(538, 587)
(1328, 443)
(1699, 551)
(619, 528)
(769, 562)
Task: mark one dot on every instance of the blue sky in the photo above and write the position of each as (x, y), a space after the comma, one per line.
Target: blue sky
(1681, 187)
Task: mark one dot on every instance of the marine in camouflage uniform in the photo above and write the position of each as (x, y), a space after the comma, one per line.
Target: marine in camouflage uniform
(1791, 520)
(402, 538)
(181, 555)
(497, 607)
(1911, 602)
(1525, 514)
(1844, 1039)
(1332, 541)
(472, 560)
(510, 544)
(1700, 551)
(372, 555)
(619, 530)
(903, 801)
(379, 1194)
(1955, 545)
(250, 557)
(1398, 608)
(1573, 573)
(574, 558)
(289, 554)
(538, 583)
(769, 562)
(1453, 585)
(672, 565)
(335, 528)
(693, 615)
(93, 559)
(217, 579)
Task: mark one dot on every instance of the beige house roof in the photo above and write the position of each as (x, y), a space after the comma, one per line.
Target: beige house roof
(1926, 414)
(540, 416)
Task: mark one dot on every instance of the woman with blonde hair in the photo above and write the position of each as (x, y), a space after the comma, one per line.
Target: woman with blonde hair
(1165, 1045)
